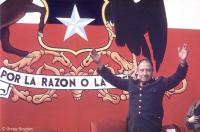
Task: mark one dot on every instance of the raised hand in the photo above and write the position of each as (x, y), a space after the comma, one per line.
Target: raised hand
(182, 53)
(136, 1)
(95, 56)
(193, 119)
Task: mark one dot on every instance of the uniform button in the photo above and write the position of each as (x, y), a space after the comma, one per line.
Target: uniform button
(139, 112)
(140, 107)
(140, 100)
(140, 95)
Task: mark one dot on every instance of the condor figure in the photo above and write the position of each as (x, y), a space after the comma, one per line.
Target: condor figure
(10, 12)
(132, 19)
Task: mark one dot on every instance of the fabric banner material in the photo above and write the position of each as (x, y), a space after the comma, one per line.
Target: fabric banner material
(9, 77)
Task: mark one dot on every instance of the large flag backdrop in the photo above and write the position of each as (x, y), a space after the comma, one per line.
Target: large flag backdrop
(58, 87)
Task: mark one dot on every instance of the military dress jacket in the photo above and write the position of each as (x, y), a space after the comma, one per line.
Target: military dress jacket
(193, 110)
(145, 103)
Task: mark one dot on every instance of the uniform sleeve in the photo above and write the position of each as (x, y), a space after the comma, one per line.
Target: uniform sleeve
(177, 77)
(112, 79)
(190, 113)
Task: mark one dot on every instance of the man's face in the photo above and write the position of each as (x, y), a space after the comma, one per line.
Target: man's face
(145, 71)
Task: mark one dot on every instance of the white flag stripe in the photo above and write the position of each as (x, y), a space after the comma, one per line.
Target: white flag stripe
(38, 2)
(30, 18)
(2, 1)
(183, 14)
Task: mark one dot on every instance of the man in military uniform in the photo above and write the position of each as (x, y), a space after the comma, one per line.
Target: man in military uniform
(146, 94)
(193, 117)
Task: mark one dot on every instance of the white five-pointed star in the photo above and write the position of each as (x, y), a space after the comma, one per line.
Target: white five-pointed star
(75, 24)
